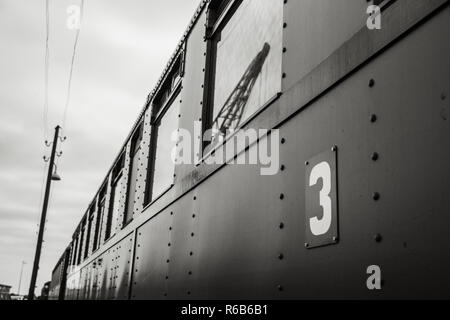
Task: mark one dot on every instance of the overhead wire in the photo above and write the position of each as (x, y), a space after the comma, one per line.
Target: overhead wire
(74, 52)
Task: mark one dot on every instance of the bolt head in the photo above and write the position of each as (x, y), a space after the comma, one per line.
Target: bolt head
(376, 196)
(378, 237)
(375, 156)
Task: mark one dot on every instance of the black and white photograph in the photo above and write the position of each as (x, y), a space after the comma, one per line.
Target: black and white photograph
(224, 156)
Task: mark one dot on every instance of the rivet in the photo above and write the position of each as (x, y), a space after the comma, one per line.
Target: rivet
(284, 25)
(280, 256)
(378, 237)
(334, 148)
(371, 83)
(306, 244)
(284, 75)
(281, 196)
(280, 288)
(192, 234)
(190, 273)
(376, 196)
(282, 167)
(191, 253)
(281, 225)
(195, 198)
(335, 239)
(443, 96)
(373, 118)
(374, 156)
(188, 292)
(306, 163)
(284, 49)
(283, 140)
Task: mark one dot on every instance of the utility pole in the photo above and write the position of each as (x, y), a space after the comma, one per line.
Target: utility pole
(37, 255)
(20, 277)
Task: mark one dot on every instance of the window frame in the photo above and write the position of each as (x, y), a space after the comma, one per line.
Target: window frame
(101, 204)
(116, 175)
(81, 242)
(137, 136)
(217, 18)
(90, 219)
(158, 112)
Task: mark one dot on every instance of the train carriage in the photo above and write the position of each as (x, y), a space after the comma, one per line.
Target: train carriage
(351, 120)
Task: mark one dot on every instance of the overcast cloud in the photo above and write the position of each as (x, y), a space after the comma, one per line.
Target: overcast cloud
(122, 50)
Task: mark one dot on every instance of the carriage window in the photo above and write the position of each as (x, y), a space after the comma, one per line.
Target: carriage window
(165, 114)
(80, 246)
(114, 204)
(134, 167)
(99, 219)
(244, 60)
(75, 250)
(164, 167)
(89, 230)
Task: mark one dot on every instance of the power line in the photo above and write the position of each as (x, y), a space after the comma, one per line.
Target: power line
(69, 85)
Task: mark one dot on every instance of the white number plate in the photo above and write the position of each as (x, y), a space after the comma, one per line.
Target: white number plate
(321, 225)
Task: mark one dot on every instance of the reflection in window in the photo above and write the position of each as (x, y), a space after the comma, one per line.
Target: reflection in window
(247, 72)
(134, 167)
(164, 166)
(114, 207)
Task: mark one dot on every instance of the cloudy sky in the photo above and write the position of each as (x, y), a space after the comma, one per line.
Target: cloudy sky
(122, 50)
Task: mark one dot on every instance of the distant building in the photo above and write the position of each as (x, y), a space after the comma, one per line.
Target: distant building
(5, 292)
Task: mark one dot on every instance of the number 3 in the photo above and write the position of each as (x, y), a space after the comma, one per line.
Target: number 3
(322, 171)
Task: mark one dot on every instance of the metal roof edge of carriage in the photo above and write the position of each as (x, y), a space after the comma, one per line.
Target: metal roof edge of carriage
(150, 96)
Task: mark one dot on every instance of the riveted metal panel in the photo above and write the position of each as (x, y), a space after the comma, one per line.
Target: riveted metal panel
(181, 243)
(150, 261)
(105, 275)
(238, 250)
(314, 29)
(393, 163)
(122, 267)
(192, 92)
